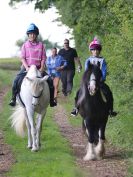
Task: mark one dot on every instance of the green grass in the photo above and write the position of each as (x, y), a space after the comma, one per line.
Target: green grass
(55, 159)
(10, 63)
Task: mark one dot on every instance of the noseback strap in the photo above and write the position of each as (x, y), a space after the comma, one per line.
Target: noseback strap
(38, 95)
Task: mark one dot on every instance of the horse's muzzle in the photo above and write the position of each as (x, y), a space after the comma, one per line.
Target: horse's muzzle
(35, 101)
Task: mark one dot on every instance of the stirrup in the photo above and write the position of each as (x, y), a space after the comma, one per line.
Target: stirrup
(12, 102)
(53, 103)
(113, 113)
(74, 112)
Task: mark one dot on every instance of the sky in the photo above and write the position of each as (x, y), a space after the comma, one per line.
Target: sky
(14, 23)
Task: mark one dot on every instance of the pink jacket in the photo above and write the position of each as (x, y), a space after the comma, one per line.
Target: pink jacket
(33, 53)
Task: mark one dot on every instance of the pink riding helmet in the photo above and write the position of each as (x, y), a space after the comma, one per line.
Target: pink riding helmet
(95, 44)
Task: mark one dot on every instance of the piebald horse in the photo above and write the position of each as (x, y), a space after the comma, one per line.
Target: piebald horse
(94, 110)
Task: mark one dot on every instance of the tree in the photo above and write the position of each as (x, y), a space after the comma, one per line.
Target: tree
(111, 20)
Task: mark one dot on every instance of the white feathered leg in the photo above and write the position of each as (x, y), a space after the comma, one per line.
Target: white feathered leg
(90, 155)
(100, 149)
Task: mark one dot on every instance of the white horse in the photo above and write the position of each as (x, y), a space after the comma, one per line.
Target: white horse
(35, 97)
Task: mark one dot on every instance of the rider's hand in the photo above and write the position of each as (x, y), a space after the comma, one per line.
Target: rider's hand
(41, 70)
(27, 69)
(59, 68)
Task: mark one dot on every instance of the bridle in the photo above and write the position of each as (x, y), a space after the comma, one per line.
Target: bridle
(38, 95)
(92, 86)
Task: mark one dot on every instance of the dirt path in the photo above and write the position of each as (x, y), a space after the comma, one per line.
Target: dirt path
(6, 156)
(113, 165)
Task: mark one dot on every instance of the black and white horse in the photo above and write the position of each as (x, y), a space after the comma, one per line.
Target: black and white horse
(35, 97)
(94, 110)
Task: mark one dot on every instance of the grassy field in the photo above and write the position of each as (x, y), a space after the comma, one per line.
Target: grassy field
(56, 158)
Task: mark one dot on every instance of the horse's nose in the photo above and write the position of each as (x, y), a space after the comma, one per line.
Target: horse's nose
(35, 102)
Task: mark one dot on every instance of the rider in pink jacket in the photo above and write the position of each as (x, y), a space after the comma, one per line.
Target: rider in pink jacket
(32, 53)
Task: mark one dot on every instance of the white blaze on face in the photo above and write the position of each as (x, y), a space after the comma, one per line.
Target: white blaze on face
(92, 85)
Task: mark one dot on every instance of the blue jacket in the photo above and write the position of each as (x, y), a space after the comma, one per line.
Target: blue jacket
(53, 63)
(95, 60)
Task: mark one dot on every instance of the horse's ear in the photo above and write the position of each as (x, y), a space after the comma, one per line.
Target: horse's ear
(98, 64)
(90, 66)
(45, 78)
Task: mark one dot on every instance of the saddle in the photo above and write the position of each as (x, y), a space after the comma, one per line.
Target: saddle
(19, 82)
(18, 87)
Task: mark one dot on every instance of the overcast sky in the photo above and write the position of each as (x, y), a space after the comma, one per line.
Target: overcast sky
(14, 23)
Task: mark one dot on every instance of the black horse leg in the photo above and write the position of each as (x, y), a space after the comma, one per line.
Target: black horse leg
(90, 131)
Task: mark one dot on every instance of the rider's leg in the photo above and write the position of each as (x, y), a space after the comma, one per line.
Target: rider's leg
(75, 110)
(56, 84)
(15, 90)
(109, 96)
(51, 88)
(14, 93)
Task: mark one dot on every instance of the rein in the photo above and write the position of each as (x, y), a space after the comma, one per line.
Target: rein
(92, 80)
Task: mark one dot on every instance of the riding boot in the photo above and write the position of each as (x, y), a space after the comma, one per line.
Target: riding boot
(75, 110)
(109, 97)
(51, 88)
(13, 100)
(111, 112)
(14, 91)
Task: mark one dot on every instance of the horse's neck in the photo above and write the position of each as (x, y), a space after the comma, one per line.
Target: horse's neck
(45, 85)
(97, 97)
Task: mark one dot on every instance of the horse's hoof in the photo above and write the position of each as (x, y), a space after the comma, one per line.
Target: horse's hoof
(34, 149)
(100, 152)
(29, 147)
(99, 157)
(90, 157)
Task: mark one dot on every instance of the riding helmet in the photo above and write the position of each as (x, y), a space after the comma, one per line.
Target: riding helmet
(32, 29)
(95, 44)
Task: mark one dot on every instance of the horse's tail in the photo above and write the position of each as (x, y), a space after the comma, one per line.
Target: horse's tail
(18, 120)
